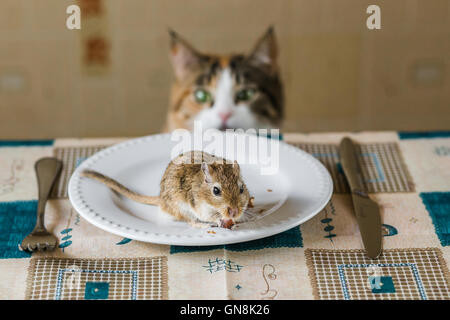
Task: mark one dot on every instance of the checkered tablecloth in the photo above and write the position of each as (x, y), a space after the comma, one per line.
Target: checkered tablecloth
(408, 174)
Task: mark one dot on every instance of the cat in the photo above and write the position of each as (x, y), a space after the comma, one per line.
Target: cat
(233, 91)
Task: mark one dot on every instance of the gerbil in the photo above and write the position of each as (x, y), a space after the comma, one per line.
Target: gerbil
(196, 187)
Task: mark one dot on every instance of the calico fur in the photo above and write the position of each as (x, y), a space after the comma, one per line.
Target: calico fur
(223, 77)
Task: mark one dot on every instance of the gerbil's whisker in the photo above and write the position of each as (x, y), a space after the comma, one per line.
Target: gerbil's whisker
(247, 216)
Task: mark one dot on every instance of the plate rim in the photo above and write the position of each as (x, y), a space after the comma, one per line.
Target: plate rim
(80, 205)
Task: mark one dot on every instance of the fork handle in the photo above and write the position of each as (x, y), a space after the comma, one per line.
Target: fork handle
(47, 170)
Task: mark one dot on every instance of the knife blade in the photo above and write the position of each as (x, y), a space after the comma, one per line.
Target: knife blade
(367, 211)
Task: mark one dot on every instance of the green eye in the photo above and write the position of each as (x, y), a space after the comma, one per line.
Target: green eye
(202, 96)
(245, 94)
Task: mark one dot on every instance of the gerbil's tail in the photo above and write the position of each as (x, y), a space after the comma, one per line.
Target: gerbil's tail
(116, 186)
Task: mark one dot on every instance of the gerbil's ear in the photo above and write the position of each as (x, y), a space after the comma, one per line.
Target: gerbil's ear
(265, 53)
(184, 57)
(235, 164)
(205, 169)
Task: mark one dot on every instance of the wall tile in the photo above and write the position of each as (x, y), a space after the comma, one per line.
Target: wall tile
(338, 75)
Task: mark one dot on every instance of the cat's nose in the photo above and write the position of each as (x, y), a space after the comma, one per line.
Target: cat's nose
(224, 116)
(233, 212)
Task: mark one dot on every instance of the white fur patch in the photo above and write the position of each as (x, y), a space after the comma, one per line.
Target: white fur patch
(224, 97)
(187, 210)
(224, 100)
(204, 212)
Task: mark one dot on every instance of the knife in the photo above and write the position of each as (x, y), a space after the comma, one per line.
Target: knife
(366, 210)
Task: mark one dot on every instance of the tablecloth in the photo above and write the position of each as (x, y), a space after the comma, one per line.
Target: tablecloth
(407, 173)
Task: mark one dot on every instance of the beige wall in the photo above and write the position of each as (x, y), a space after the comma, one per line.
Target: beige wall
(338, 75)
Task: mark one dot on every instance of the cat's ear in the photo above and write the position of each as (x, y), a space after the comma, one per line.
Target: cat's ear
(265, 52)
(184, 57)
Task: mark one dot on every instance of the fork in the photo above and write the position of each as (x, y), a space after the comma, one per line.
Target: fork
(47, 170)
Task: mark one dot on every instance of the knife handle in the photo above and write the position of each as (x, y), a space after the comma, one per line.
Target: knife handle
(350, 164)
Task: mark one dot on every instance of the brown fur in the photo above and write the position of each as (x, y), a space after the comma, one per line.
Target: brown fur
(193, 69)
(185, 182)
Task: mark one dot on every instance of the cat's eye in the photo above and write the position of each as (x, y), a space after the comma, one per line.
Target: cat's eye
(216, 191)
(202, 96)
(241, 190)
(245, 94)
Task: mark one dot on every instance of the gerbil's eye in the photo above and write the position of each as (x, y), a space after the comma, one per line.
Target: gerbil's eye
(241, 190)
(216, 191)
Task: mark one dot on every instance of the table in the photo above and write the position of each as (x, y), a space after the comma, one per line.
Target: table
(407, 173)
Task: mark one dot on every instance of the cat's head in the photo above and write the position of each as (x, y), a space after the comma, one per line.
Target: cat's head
(225, 91)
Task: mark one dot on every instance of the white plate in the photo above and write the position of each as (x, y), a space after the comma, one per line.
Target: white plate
(298, 191)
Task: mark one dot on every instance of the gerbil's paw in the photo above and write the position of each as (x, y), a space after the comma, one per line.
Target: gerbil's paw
(234, 226)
